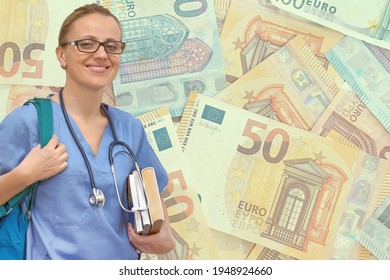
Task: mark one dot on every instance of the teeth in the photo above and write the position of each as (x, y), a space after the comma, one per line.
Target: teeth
(98, 68)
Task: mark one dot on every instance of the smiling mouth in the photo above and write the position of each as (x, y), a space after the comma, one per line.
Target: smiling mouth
(98, 68)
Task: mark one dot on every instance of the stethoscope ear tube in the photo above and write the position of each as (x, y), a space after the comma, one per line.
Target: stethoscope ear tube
(111, 158)
(118, 142)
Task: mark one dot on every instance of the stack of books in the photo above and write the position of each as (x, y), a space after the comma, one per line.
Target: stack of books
(144, 200)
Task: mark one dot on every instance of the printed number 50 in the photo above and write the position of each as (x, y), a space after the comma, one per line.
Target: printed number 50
(16, 54)
(269, 141)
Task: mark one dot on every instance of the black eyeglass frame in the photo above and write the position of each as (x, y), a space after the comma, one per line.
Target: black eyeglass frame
(76, 43)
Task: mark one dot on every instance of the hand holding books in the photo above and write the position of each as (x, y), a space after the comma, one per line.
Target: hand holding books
(144, 201)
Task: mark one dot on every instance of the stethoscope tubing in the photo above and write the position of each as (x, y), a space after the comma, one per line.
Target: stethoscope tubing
(97, 196)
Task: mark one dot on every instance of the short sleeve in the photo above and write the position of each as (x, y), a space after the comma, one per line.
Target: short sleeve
(16, 137)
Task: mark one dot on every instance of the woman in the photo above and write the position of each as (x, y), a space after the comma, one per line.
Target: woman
(71, 220)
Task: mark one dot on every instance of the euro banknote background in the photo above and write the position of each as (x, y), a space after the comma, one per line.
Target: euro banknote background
(271, 117)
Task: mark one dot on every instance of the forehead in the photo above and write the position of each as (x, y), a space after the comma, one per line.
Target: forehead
(95, 25)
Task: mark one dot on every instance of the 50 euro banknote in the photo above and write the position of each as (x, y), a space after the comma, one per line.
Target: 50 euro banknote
(278, 186)
(186, 216)
(253, 30)
(290, 86)
(28, 39)
(348, 120)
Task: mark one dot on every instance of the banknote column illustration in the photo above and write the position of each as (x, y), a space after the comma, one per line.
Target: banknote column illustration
(186, 214)
(172, 48)
(290, 190)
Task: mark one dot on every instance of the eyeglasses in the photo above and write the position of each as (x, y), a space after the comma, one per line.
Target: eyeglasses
(91, 46)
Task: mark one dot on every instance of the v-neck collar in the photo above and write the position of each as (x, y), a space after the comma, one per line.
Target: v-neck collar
(84, 143)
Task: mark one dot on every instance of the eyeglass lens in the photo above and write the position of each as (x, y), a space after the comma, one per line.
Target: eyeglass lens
(89, 45)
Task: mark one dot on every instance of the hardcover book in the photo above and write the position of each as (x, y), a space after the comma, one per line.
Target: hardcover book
(144, 199)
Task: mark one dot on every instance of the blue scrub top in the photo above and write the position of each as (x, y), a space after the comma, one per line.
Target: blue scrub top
(64, 225)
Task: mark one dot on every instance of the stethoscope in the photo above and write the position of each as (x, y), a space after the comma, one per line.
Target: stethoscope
(97, 198)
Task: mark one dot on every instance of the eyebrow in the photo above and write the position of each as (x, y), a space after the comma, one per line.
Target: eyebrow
(94, 38)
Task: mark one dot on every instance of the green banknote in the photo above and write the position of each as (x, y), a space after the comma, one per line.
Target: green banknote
(186, 215)
(278, 186)
(367, 70)
(364, 20)
(172, 49)
(376, 231)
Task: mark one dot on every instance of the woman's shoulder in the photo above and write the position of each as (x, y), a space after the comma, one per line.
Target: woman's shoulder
(20, 126)
(123, 117)
(22, 114)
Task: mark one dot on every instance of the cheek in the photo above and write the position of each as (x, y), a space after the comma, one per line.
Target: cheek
(115, 62)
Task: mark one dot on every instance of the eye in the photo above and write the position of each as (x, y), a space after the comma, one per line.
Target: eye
(87, 44)
(112, 46)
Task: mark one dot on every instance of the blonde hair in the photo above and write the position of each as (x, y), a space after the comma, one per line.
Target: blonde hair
(79, 13)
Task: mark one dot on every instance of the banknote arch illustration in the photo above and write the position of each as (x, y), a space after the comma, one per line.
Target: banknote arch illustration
(299, 4)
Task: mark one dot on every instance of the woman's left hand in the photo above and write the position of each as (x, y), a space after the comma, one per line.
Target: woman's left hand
(158, 243)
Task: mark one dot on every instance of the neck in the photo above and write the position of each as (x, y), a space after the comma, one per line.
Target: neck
(84, 103)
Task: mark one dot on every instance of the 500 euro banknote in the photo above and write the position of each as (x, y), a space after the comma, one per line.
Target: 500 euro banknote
(364, 20)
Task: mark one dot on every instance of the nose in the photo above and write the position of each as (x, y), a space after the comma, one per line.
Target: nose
(101, 52)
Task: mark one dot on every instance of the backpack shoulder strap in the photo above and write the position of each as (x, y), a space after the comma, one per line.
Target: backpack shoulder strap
(45, 126)
(45, 119)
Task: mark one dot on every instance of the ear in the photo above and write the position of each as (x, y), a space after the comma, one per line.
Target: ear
(61, 57)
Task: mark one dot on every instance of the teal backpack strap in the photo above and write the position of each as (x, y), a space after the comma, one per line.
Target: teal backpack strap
(45, 126)
(45, 119)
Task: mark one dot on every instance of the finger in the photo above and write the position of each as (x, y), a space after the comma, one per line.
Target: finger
(63, 166)
(53, 142)
(61, 148)
(65, 156)
(37, 147)
(133, 236)
(130, 230)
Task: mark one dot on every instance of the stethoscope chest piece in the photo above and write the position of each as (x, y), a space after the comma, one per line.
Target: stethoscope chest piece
(97, 198)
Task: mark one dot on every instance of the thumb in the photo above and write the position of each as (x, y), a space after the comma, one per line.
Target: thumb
(130, 228)
(131, 232)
